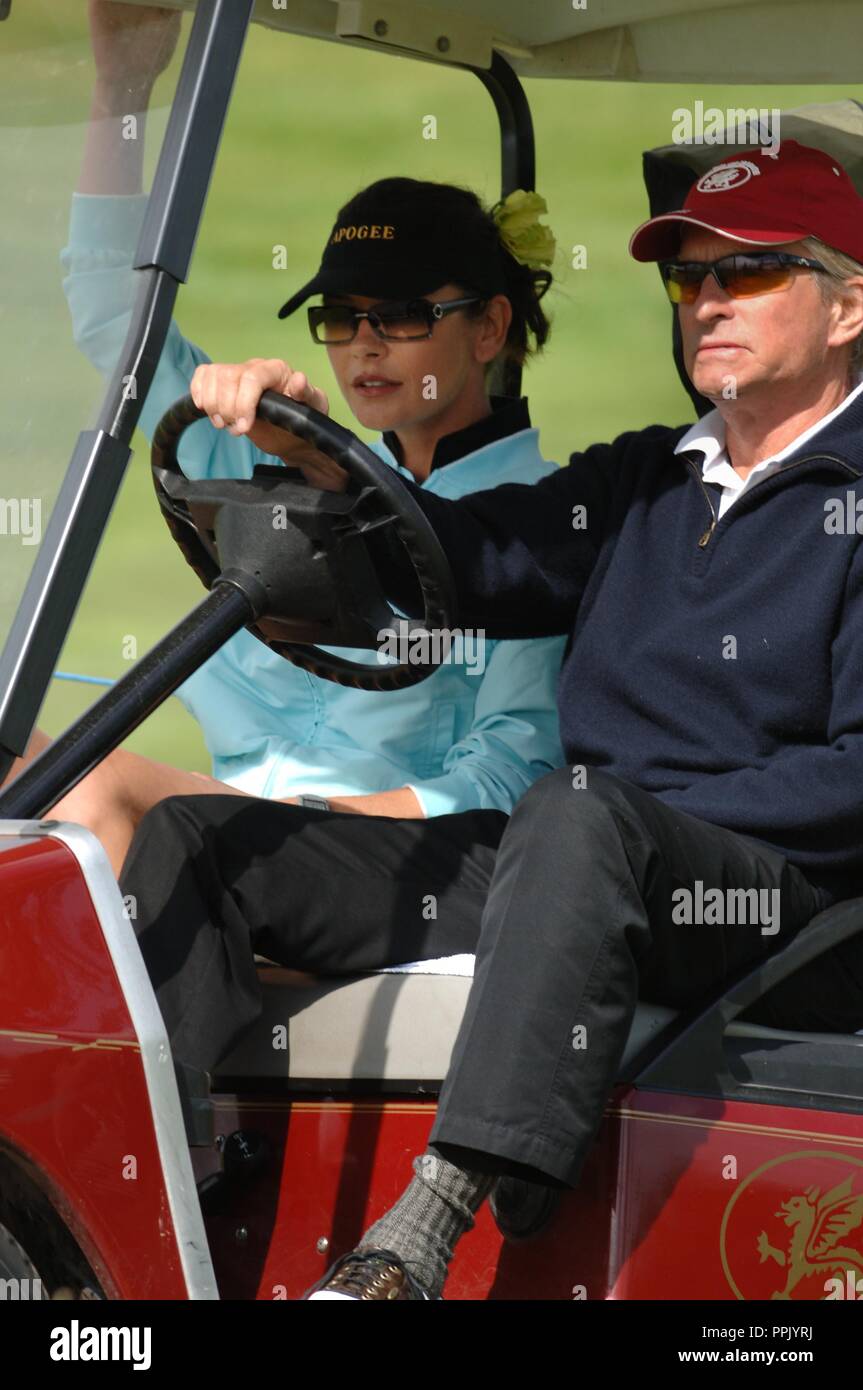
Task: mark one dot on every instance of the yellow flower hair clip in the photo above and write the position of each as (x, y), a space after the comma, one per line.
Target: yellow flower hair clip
(517, 219)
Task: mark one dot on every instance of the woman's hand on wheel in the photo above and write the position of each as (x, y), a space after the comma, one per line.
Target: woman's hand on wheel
(230, 392)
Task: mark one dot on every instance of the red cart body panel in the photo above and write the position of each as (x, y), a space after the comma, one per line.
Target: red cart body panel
(74, 1104)
(682, 1196)
(671, 1204)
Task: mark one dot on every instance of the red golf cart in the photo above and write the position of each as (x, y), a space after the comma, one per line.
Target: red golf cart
(730, 1161)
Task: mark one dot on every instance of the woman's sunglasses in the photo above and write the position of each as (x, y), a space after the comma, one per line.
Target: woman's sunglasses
(398, 321)
(741, 276)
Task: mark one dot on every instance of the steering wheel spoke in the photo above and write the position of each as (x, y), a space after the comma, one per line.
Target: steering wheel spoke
(299, 553)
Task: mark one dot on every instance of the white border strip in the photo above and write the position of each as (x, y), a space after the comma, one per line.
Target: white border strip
(147, 1021)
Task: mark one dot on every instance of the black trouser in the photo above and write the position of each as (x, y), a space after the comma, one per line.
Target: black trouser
(568, 904)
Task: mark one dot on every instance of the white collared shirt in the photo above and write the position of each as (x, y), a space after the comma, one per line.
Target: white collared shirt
(708, 436)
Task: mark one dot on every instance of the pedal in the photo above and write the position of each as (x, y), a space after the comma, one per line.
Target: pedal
(245, 1153)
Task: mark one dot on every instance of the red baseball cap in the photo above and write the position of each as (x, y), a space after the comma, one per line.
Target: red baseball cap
(764, 199)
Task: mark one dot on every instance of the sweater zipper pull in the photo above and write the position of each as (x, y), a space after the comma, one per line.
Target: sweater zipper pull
(702, 540)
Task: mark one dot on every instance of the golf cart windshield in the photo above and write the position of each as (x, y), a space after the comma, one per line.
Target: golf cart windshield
(49, 391)
(76, 434)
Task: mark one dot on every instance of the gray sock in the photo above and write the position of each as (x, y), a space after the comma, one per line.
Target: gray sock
(436, 1208)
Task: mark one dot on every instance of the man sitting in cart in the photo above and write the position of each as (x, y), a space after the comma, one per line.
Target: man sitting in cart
(710, 581)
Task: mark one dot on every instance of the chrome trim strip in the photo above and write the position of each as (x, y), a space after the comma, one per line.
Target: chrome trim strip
(195, 1259)
(740, 1028)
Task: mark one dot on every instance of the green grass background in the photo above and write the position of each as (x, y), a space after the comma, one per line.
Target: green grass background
(310, 123)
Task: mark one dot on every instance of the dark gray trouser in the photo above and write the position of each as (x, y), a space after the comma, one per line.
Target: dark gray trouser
(568, 905)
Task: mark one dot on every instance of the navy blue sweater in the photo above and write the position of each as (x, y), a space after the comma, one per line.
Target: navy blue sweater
(716, 664)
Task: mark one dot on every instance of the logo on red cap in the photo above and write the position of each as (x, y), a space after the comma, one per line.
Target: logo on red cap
(723, 177)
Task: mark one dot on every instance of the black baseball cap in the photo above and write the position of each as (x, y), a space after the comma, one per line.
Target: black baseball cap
(401, 238)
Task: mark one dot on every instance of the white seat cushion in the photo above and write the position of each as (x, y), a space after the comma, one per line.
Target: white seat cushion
(393, 1025)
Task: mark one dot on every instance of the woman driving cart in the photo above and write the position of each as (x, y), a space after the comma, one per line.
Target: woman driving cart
(424, 291)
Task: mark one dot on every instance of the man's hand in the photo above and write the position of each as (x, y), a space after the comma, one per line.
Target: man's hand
(230, 392)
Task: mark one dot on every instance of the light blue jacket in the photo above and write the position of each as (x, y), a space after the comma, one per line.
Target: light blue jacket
(459, 739)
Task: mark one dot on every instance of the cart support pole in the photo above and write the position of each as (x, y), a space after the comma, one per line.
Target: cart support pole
(517, 157)
(100, 457)
(128, 703)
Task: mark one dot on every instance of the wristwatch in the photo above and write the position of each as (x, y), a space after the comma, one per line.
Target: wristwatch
(317, 803)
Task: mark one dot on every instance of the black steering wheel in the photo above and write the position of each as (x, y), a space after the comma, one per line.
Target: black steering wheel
(300, 553)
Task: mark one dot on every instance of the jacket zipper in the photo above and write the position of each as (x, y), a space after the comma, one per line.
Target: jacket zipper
(702, 541)
(810, 458)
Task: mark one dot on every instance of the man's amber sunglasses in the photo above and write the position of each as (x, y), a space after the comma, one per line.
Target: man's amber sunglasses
(741, 276)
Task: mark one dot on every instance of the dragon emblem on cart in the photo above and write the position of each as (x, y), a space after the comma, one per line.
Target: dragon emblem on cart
(822, 1239)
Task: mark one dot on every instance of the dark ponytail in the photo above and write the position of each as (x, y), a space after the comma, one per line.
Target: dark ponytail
(530, 327)
(523, 286)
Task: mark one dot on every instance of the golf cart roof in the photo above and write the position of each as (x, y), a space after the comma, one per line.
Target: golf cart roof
(625, 40)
